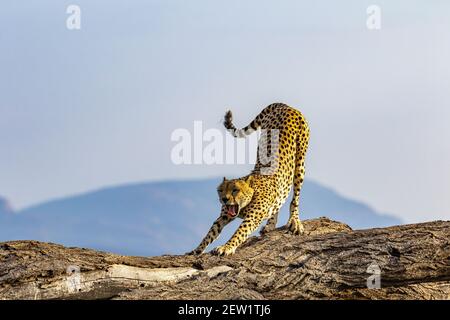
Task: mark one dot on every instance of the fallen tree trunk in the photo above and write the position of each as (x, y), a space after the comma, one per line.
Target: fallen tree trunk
(330, 261)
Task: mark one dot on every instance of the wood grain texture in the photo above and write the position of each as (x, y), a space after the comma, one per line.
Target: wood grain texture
(329, 261)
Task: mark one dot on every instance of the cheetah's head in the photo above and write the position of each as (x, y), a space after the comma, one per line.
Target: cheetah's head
(235, 194)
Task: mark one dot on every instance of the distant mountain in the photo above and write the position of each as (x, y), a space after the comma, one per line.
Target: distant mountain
(161, 217)
(5, 207)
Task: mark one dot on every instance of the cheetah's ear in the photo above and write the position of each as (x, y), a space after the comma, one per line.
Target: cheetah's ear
(224, 179)
(249, 179)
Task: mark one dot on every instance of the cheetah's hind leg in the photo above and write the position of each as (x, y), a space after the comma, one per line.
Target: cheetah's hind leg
(294, 224)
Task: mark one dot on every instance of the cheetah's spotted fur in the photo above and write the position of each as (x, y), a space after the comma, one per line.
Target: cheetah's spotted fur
(259, 196)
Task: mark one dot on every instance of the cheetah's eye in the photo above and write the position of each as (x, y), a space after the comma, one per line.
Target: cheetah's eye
(235, 191)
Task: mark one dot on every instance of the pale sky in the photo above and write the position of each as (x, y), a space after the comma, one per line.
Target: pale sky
(84, 109)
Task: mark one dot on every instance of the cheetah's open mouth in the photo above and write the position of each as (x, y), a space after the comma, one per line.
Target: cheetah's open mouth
(232, 210)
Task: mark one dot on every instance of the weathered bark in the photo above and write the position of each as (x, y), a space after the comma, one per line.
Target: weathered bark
(330, 261)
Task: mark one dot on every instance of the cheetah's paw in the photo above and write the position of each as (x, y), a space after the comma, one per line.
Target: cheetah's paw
(295, 226)
(194, 252)
(266, 229)
(224, 250)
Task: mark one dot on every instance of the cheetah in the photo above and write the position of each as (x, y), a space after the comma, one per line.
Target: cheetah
(260, 195)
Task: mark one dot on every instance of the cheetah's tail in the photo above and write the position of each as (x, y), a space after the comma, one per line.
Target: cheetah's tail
(239, 133)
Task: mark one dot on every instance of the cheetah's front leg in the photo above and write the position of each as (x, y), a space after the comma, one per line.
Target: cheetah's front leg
(247, 227)
(272, 221)
(212, 234)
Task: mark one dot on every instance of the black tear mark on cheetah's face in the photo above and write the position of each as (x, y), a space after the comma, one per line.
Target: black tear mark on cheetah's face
(235, 195)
